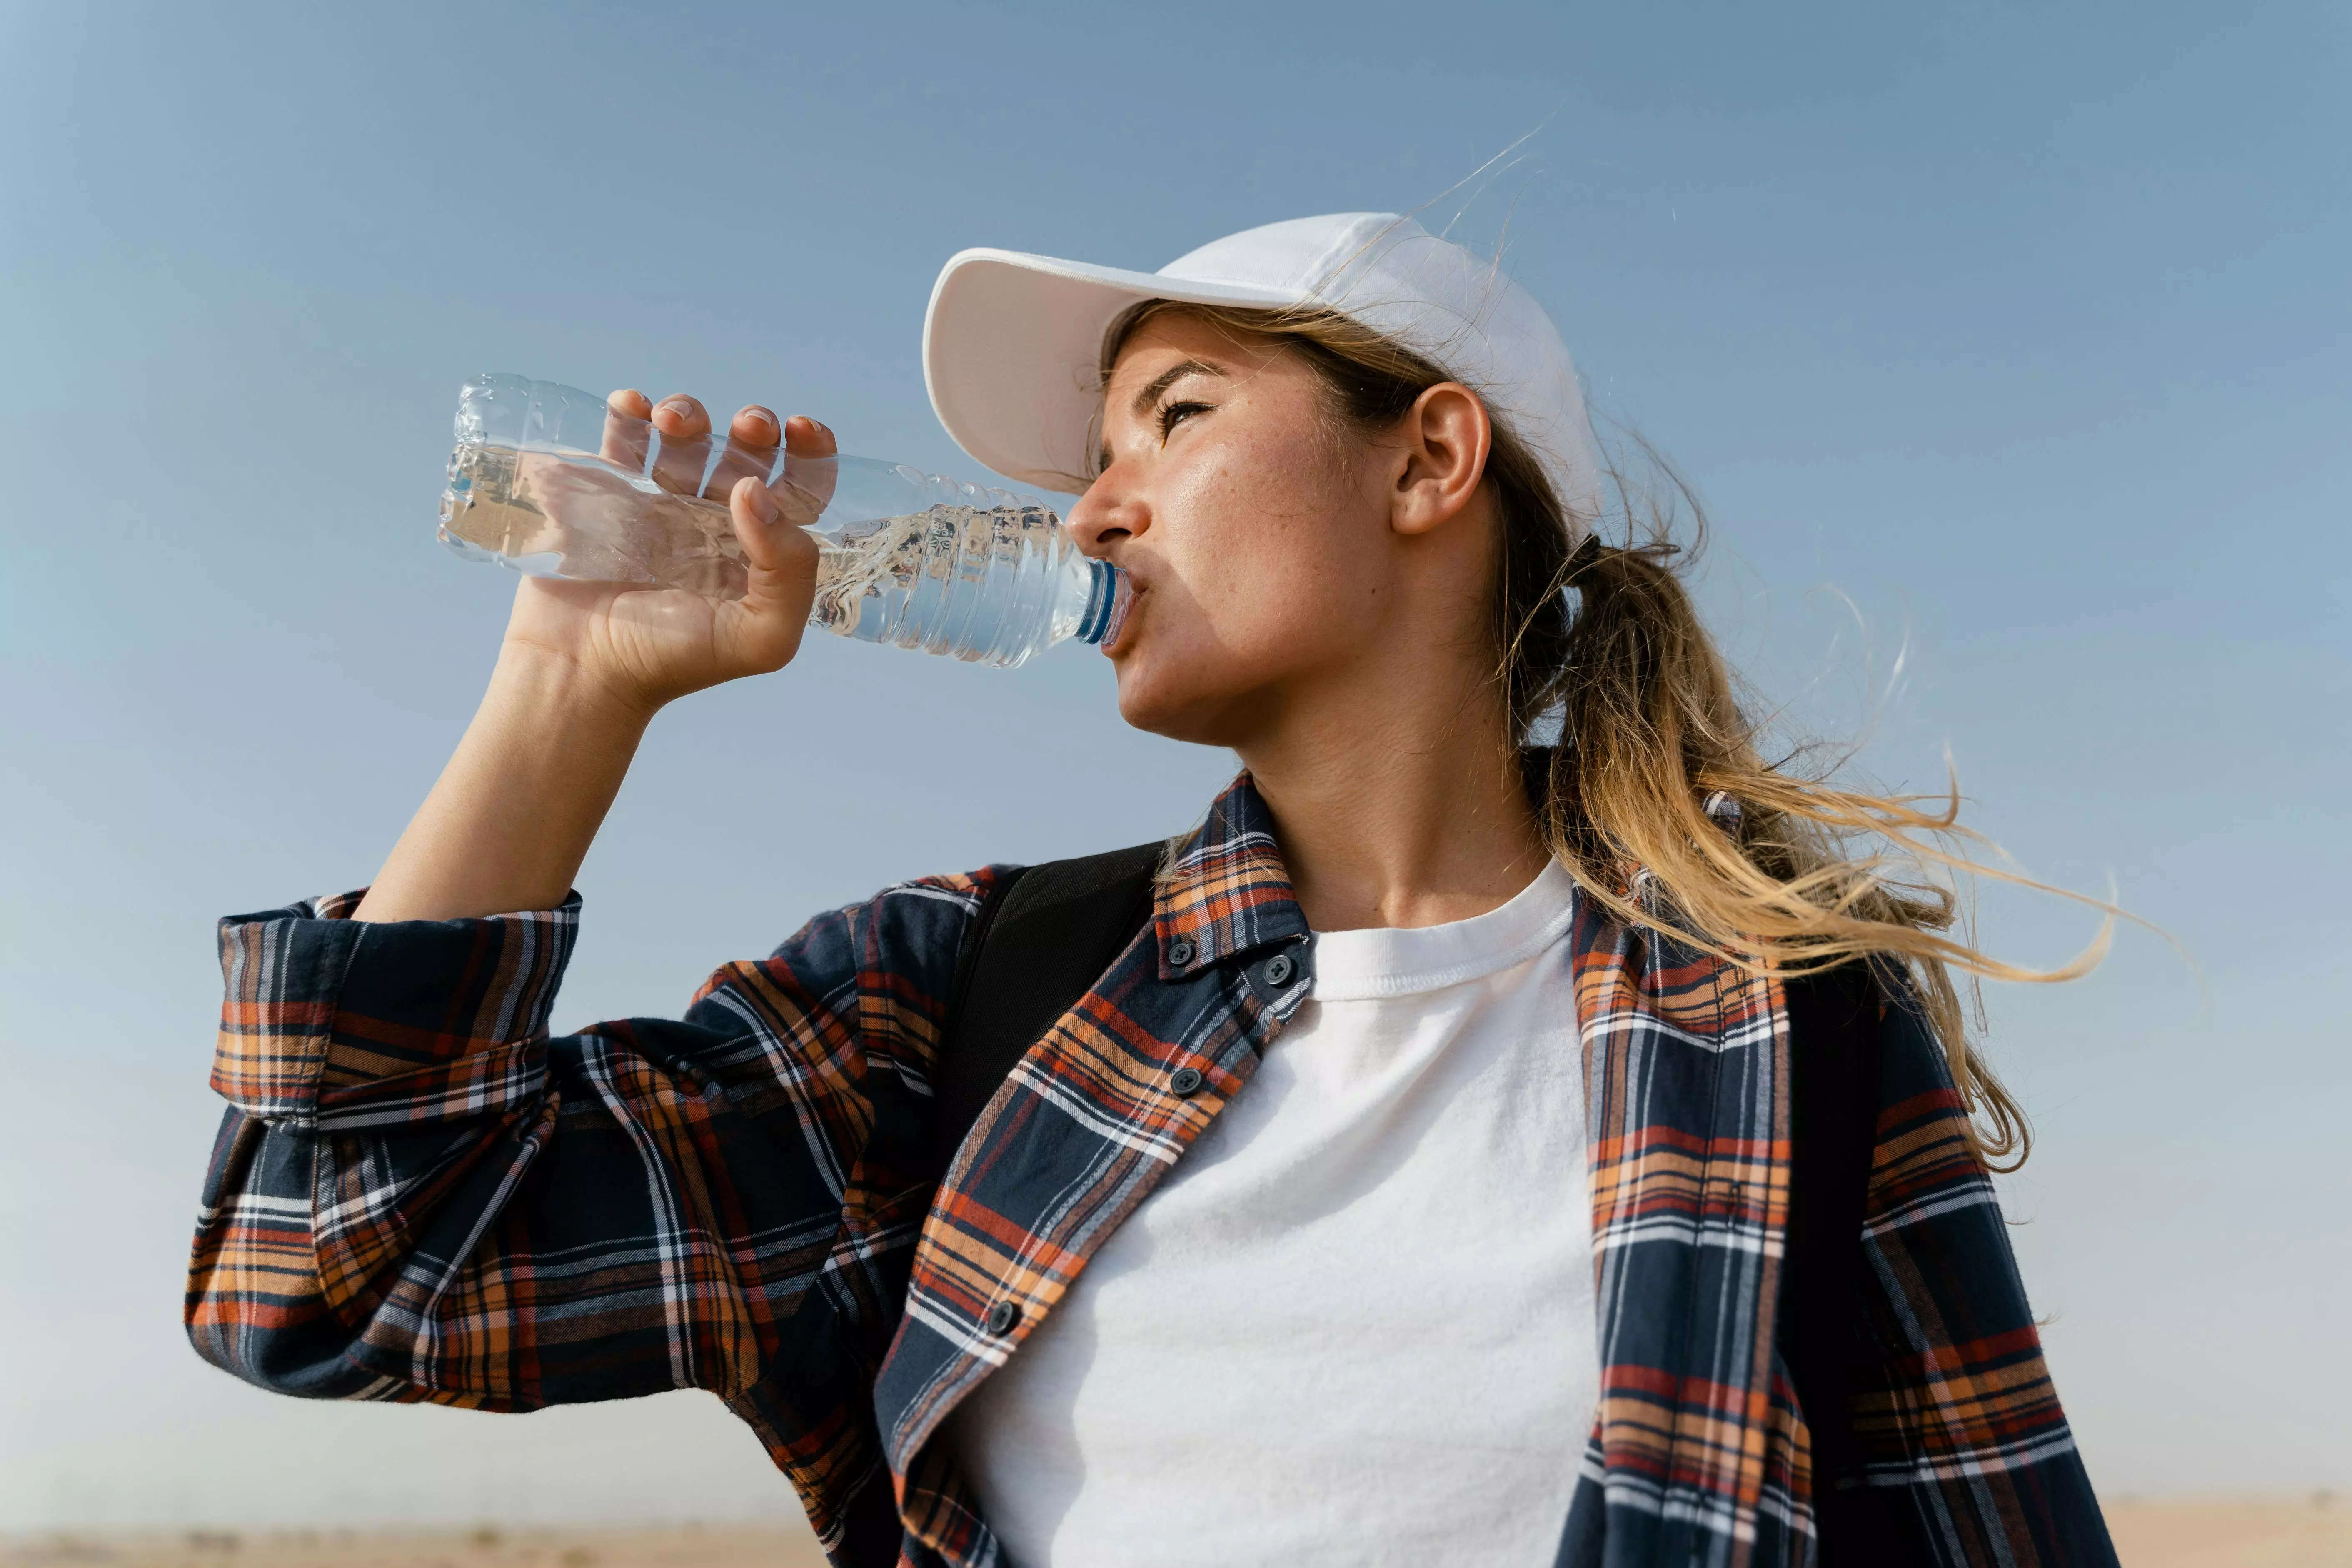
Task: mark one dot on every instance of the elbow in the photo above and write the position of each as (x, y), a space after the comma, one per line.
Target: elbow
(255, 1306)
(286, 1345)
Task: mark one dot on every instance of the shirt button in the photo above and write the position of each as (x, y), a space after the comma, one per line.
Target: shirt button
(1279, 969)
(1186, 1081)
(1179, 952)
(1002, 1317)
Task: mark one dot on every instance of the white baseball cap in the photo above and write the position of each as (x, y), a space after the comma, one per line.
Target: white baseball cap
(1012, 342)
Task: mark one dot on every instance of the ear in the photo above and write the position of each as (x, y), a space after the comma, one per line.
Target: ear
(1445, 436)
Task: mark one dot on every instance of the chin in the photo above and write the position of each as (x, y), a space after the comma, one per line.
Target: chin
(1160, 701)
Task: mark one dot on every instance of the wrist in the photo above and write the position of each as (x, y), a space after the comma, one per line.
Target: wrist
(558, 687)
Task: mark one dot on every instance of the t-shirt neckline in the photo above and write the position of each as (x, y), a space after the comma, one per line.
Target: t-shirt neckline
(1391, 961)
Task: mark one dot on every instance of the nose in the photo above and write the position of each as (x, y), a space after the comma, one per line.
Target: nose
(1109, 512)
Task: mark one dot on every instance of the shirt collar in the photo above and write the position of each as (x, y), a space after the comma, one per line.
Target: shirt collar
(1225, 890)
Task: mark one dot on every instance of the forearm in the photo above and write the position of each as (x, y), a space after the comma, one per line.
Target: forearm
(511, 817)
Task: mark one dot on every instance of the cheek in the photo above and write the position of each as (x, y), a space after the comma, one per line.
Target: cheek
(1267, 566)
(1275, 541)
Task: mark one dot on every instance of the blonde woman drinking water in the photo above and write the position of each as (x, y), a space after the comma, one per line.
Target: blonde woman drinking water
(1508, 1128)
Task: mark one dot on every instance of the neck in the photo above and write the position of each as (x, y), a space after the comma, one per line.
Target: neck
(1403, 808)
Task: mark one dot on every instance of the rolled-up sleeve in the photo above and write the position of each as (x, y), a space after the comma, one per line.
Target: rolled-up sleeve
(330, 1021)
(417, 1193)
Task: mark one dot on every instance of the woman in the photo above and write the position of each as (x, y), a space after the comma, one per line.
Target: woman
(1416, 1181)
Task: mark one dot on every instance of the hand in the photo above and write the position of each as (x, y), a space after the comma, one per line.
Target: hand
(641, 647)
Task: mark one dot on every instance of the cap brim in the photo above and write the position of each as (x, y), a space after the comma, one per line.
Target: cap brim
(1012, 351)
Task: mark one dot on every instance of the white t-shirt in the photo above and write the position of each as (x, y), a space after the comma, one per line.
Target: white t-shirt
(1354, 1323)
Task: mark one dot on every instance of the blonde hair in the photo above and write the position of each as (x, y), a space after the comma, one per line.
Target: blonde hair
(1651, 732)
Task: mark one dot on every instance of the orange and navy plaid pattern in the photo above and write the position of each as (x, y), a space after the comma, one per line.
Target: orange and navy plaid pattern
(417, 1193)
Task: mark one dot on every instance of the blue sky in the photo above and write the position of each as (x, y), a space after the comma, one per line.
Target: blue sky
(2008, 345)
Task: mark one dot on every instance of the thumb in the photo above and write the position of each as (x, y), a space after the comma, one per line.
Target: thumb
(781, 554)
(754, 512)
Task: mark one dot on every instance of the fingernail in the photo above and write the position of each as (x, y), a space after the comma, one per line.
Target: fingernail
(763, 504)
(678, 404)
(763, 418)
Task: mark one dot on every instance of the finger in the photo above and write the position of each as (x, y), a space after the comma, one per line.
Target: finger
(684, 431)
(749, 451)
(628, 430)
(805, 488)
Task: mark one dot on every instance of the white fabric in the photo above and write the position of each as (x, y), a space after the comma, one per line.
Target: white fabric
(1354, 1323)
(1012, 341)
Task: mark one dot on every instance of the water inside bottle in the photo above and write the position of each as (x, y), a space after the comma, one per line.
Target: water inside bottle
(571, 514)
(982, 584)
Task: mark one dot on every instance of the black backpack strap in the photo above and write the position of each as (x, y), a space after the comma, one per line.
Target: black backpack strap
(1045, 936)
(1834, 1058)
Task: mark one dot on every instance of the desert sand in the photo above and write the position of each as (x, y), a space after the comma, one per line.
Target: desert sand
(2308, 1531)
(715, 1546)
(2314, 1530)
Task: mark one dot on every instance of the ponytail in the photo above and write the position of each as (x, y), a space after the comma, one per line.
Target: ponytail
(1658, 801)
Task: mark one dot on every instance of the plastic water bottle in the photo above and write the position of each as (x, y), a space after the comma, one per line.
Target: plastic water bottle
(906, 557)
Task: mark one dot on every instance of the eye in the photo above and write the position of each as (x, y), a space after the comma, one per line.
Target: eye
(1175, 413)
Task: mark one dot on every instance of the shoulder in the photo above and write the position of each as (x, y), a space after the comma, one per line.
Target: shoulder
(910, 918)
(899, 946)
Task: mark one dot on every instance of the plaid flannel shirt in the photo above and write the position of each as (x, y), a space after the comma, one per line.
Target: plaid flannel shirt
(418, 1195)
